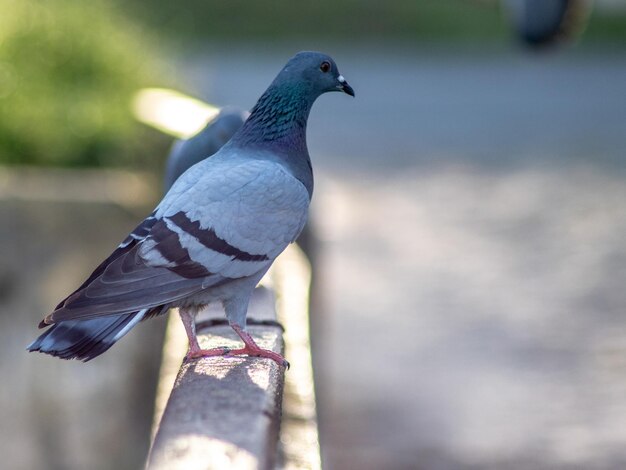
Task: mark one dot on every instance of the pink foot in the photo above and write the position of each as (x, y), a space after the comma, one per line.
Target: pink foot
(194, 353)
(256, 351)
(248, 350)
(251, 348)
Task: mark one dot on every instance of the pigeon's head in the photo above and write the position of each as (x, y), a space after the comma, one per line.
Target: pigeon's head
(315, 72)
(282, 112)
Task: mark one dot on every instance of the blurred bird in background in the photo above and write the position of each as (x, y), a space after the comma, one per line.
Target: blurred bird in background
(187, 152)
(544, 22)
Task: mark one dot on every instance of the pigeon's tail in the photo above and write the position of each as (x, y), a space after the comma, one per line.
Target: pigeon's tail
(86, 339)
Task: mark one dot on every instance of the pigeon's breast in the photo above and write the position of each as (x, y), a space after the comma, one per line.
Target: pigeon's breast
(252, 209)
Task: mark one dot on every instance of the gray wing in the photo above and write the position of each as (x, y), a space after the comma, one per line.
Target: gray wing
(221, 221)
(234, 223)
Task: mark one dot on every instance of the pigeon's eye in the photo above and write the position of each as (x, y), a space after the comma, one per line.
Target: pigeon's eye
(325, 67)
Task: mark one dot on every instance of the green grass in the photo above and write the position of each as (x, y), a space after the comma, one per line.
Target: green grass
(605, 27)
(418, 20)
(447, 19)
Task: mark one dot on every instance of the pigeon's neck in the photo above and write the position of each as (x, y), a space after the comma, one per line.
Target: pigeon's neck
(279, 118)
(277, 123)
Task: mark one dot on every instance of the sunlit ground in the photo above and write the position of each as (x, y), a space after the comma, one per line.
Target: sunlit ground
(474, 318)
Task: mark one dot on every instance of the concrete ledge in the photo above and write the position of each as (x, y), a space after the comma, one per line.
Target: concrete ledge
(299, 439)
(227, 412)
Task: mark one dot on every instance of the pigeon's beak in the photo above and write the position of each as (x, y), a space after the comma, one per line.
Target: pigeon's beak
(343, 86)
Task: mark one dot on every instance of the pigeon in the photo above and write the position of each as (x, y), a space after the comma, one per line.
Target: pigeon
(205, 143)
(214, 234)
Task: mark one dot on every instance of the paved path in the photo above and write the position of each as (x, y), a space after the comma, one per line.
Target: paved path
(434, 105)
(473, 264)
(474, 319)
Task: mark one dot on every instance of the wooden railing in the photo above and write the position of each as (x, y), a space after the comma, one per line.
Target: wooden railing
(242, 413)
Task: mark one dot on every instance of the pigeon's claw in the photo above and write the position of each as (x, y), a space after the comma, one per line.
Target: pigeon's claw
(194, 353)
(259, 352)
(252, 351)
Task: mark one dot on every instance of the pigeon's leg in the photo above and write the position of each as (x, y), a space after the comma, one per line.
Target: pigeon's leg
(188, 318)
(236, 309)
(253, 349)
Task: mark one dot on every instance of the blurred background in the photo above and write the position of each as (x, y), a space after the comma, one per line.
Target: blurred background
(469, 214)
